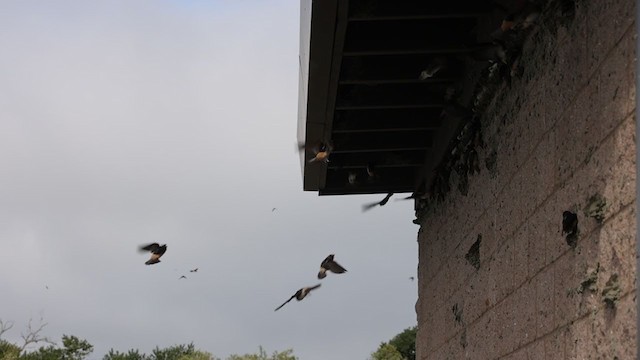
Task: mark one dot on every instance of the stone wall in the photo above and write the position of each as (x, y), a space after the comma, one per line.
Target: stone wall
(497, 277)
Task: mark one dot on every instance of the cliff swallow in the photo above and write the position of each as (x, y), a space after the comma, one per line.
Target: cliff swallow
(432, 69)
(329, 264)
(352, 178)
(322, 153)
(156, 252)
(194, 270)
(299, 295)
(383, 202)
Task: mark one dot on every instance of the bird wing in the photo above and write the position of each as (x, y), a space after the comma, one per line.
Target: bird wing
(283, 304)
(327, 260)
(336, 268)
(160, 250)
(370, 206)
(150, 247)
(313, 287)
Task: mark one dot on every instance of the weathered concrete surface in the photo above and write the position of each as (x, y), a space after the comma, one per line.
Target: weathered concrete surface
(564, 139)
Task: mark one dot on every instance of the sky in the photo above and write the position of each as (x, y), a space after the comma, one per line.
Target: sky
(174, 121)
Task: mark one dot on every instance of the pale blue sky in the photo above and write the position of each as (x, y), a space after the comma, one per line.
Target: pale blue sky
(127, 122)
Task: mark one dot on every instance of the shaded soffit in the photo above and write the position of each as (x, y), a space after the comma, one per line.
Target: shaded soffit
(360, 88)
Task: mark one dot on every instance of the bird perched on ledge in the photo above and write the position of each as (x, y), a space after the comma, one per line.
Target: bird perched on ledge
(156, 252)
(299, 295)
(329, 264)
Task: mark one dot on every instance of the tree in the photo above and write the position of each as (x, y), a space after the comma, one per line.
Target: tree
(30, 336)
(387, 352)
(405, 343)
(130, 355)
(8, 351)
(262, 355)
(400, 347)
(73, 348)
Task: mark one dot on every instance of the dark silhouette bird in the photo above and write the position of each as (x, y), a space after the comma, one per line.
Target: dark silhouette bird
(156, 252)
(383, 202)
(411, 278)
(182, 277)
(274, 209)
(194, 270)
(299, 295)
(352, 178)
(329, 264)
(433, 68)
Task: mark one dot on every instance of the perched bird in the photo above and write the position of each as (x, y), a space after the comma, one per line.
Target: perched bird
(383, 202)
(352, 178)
(329, 264)
(194, 270)
(182, 277)
(299, 295)
(432, 69)
(156, 252)
(569, 223)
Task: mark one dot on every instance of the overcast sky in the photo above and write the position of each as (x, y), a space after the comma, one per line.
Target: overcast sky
(174, 121)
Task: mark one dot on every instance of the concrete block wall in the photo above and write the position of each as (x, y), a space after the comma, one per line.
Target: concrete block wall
(563, 138)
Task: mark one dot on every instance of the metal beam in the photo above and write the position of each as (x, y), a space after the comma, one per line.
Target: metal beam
(380, 189)
(354, 151)
(396, 81)
(382, 107)
(409, 51)
(417, 17)
(382, 166)
(358, 131)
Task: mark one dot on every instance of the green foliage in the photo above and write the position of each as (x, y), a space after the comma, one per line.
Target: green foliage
(262, 355)
(401, 347)
(8, 351)
(405, 343)
(73, 348)
(387, 352)
(130, 355)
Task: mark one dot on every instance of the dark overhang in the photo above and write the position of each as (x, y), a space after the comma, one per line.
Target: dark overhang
(360, 88)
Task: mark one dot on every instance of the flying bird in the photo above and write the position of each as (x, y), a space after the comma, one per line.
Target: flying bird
(156, 252)
(182, 277)
(383, 202)
(299, 295)
(194, 270)
(329, 264)
(322, 153)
